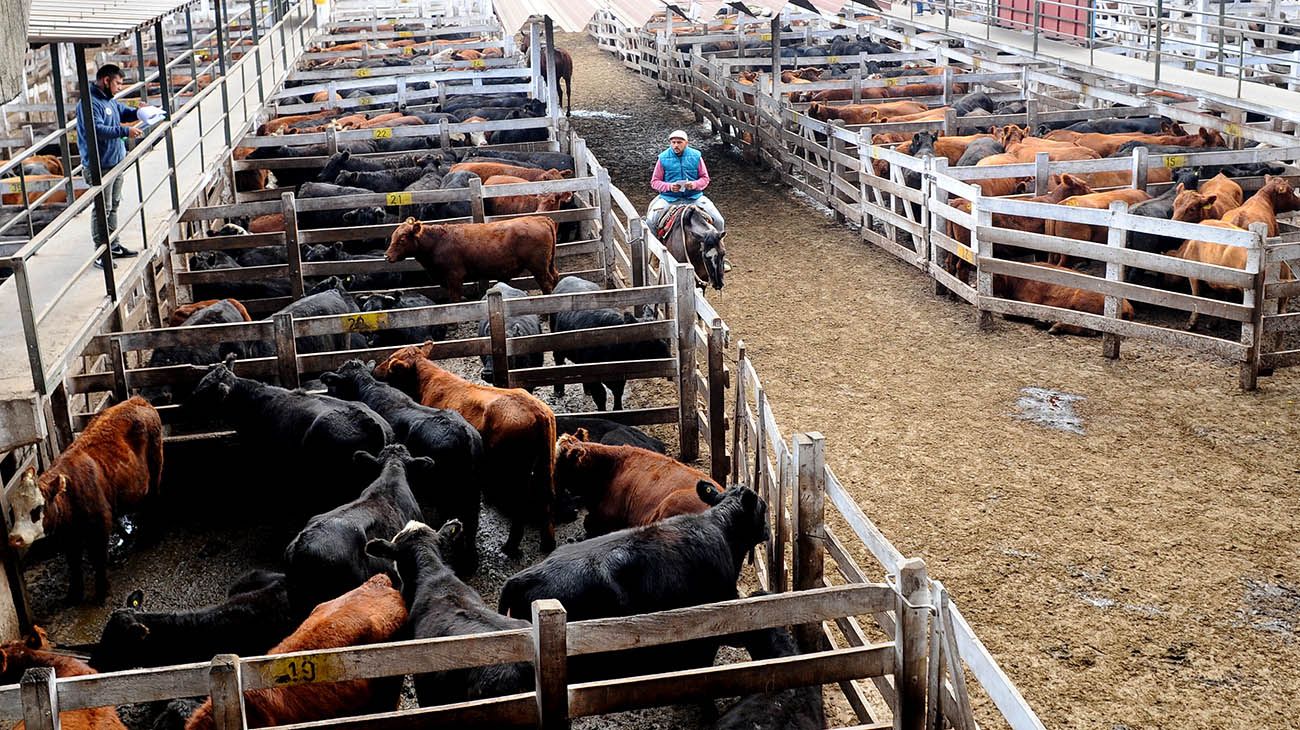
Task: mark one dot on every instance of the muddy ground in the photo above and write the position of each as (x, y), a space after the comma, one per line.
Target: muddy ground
(1142, 574)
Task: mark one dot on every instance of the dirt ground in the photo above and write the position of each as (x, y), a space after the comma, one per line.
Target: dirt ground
(1142, 574)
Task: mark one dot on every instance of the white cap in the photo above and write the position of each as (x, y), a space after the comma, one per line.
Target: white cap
(679, 133)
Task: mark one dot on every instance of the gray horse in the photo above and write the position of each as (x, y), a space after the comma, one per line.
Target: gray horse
(693, 239)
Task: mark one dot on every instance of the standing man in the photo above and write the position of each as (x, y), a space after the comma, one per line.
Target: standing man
(680, 177)
(110, 133)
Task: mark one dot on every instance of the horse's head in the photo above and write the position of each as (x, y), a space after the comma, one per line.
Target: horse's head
(715, 256)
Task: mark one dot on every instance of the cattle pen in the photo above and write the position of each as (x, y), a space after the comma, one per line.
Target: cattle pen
(730, 74)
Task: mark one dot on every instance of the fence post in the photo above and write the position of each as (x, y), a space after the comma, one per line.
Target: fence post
(1254, 298)
(476, 203)
(292, 250)
(965, 719)
(833, 168)
(912, 639)
(739, 422)
(550, 664)
(606, 207)
(720, 466)
(226, 690)
(497, 330)
(1140, 173)
(1042, 173)
(40, 698)
(1117, 238)
(983, 279)
(684, 304)
(809, 506)
(117, 361)
(636, 234)
(286, 350)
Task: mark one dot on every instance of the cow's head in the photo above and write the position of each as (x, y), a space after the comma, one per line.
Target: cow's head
(553, 201)
(421, 467)
(324, 252)
(923, 143)
(554, 174)
(414, 545)
(1283, 194)
(347, 381)
(405, 241)
(1191, 206)
(27, 506)
(400, 367)
(742, 512)
(121, 643)
(364, 216)
(215, 385)
(1071, 185)
(715, 256)
(573, 460)
(17, 657)
(347, 177)
(1211, 138)
(228, 229)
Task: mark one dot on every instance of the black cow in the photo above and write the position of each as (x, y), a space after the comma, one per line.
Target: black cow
(430, 180)
(247, 623)
(439, 604)
(590, 318)
(406, 144)
(1143, 125)
(328, 558)
(979, 149)
(518, 136)
(336, 251)
(241, 290)
(316, 434)
(681, 561)
(798, 708)
(381, 181)
(262, 256)
(327, 297)
(1161, 207)
(521, 325)
(454, 209)
(973, 101)
(610, 433)
(341, 217)
(442, 435)
(221, 312)
(472, 101)
(345, 161)
(401, 336)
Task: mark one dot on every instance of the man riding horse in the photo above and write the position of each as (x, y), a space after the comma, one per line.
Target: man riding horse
(682, 216)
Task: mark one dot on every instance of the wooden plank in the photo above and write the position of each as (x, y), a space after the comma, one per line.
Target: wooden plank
(870, 535)
(518, 710)
(808, 503)
(614, 369)
(995, 682)
(228, 243)
(550, 663)
(40, 699)
(318, 362)
(770, 675)
(593, 337)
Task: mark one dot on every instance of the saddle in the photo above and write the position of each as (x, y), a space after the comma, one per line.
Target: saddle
(670, 218)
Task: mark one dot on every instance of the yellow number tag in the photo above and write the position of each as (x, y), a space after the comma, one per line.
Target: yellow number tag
(15, 187)
(766, 36)
(405, 34)
(965, 254)
(875, 152)
(1071, 203)
(397, 199)
(133, 103)
(364, 322)
(381, 133)
(362, 73)
(72, 137)
(320, 2)
(366, 100)
(891, 82)
(1173, 161)
(1232, 129)
(305, 669)
(202, 54)
(478, 63)
(408, 51)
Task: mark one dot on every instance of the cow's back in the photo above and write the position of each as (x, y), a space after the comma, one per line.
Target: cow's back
(125, 444)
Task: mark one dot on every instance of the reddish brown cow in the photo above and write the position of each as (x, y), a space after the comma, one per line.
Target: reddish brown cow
(1084, 231)
(518, 436)
(1220, 254)
(267, 223)
(486, 170)
(625, 486)
(866, 113)
(16, 657)
(279, 124)
(113, 466)
(454, 253)
(368, 614)
(1277, 196)
(183, 312)
(512, 204)
(1057, 295)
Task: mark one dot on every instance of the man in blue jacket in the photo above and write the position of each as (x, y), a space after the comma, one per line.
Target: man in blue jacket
(680, 176)
(111, 132)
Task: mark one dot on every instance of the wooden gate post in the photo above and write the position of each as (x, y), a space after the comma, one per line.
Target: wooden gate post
(226, 689)
(605, 204)
(636, 236)
(1117, 237)
(688, 426)
(293, 252)
(40, 699)
(550, 664)
(981, 218)
(1254, 298)
(834, 145)
(720, 466)
(912, 639)
(286, 350)
(497, 331)
(809, 509)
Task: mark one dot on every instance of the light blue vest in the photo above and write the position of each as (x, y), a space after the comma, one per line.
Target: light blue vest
(681, 168)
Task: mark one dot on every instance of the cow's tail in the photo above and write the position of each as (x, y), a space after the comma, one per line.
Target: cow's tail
(509, 597)
(543, 481)
(552, 273)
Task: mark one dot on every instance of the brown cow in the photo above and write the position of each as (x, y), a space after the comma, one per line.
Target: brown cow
(1277, 196)
(625, 486)
(1227, 195)
(1220, 254)
(249, 180)
(16, 657)
(518, 436)
(1084, 231)
(1057, 295)
(514, 204)
(564, 67)
(454, 253)
(326, 95)
(372, 612)
(113, 466)
(183, 312)
(269, 223)
(278, 125)
(486, 170)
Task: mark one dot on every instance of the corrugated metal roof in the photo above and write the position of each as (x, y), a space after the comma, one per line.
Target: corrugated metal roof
(94, 22)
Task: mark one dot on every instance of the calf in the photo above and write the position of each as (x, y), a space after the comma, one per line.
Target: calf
(370, 613)
(456, 448)
(114, 466)
(247, 623)
(1220, 254)
(595, 318)
(609, 433)
(516, 204)
(518, 325)
(222, 311)
(328, 557)
(441, 605)
(344, 161)
(1084, 231)
(542, 160)
(1057, 295)
(361, 281)
(400, 336)
(183, 312)
(1277, 196)
(518, 433)
(486, 170)
(1160, 207)
(624, 486)
(317, 433)
(682, 561)
(454, 253)
(337, 218)
(16, 657)
(798, 708)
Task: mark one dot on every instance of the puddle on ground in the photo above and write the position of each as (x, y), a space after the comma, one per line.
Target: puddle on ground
(1050, 408)
(597, 114)
(1272, 607)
